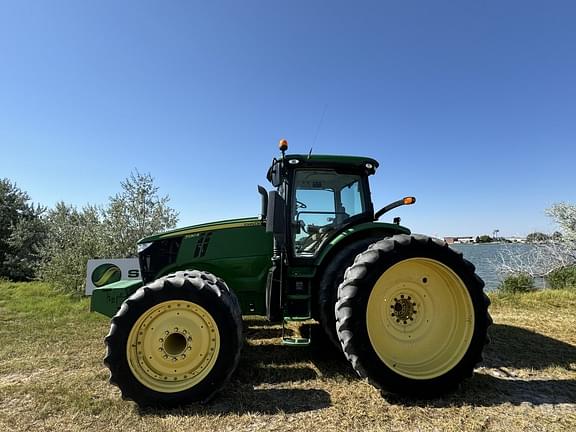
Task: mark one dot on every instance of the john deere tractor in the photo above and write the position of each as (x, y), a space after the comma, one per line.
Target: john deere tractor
(407, 311)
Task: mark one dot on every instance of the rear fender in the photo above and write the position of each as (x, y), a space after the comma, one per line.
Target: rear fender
(369, 229)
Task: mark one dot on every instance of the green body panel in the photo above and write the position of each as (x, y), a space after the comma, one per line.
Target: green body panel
(212, 226)
(377, 227)
(238, 252)
(107, 299)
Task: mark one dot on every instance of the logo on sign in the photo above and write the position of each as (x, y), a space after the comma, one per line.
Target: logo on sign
(105, 274)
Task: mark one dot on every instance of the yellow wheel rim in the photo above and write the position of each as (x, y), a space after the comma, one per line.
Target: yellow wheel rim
(420, 318)
(173, 346)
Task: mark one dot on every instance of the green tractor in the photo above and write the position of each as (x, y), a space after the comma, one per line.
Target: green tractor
(408, 312)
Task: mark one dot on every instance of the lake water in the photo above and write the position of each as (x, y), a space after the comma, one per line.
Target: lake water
(483, 257)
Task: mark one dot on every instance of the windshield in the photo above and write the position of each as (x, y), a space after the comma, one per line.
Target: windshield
(323, 201)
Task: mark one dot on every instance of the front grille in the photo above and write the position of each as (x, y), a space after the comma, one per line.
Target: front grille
(157, 256)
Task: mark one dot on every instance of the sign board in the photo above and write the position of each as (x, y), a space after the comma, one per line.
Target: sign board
(102, 272)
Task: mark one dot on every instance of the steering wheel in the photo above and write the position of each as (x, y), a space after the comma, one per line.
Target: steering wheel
(300, 204)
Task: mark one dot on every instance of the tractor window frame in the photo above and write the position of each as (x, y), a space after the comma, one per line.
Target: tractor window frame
(291, 216)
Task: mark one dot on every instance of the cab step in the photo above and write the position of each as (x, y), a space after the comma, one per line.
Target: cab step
(292, 341)
(296, 331)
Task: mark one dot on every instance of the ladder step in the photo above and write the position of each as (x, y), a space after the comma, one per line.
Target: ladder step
(298, 296)
(297, 318)
(296, 341)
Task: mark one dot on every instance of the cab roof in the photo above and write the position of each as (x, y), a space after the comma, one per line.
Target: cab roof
(361, 164)
(335, 160)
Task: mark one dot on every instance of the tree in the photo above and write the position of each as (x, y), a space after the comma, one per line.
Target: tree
(136, 212)
(550, 253)
(537, 237)
(74, 237)
(22, 232)
(484, 239)
(565, 216)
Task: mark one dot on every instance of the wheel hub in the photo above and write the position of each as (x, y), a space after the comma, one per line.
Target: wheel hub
(175, 344)
(403, 309)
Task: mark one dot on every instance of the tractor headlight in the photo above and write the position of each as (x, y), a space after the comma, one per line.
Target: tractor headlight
(143, 246)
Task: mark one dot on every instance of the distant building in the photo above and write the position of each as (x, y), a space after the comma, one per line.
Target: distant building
(515, 239)
(472, 239)
(464, 239)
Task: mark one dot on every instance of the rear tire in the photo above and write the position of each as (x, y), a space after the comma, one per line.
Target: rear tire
(175, 341)
(411, 316)
(332, 277)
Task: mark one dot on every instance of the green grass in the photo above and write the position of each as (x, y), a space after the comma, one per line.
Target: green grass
(52, 377)
(542, 300)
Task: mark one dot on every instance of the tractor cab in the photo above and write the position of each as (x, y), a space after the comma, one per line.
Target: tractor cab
(316, 198)
(319, 196)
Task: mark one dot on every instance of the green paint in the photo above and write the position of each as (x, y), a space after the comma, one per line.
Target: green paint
(108, 299)
(371, 228)
(212, 226)
(241, 256)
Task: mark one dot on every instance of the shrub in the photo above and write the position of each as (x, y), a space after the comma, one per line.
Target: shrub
(564, 277)
(517, 283)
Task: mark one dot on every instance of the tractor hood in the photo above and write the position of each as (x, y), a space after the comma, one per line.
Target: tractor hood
(210, 226)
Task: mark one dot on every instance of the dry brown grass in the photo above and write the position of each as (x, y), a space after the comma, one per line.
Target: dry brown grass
(52, 377)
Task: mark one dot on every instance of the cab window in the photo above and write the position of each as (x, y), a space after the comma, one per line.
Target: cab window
(323, 201)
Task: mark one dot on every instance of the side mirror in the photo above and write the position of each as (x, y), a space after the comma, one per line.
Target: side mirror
(274, 175)
(276, 213)
(403, 201)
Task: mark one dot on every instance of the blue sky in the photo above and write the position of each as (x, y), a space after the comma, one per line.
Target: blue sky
(469, 106)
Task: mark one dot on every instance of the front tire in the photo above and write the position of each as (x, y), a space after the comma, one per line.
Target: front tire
(175, 341)
(412, 316)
